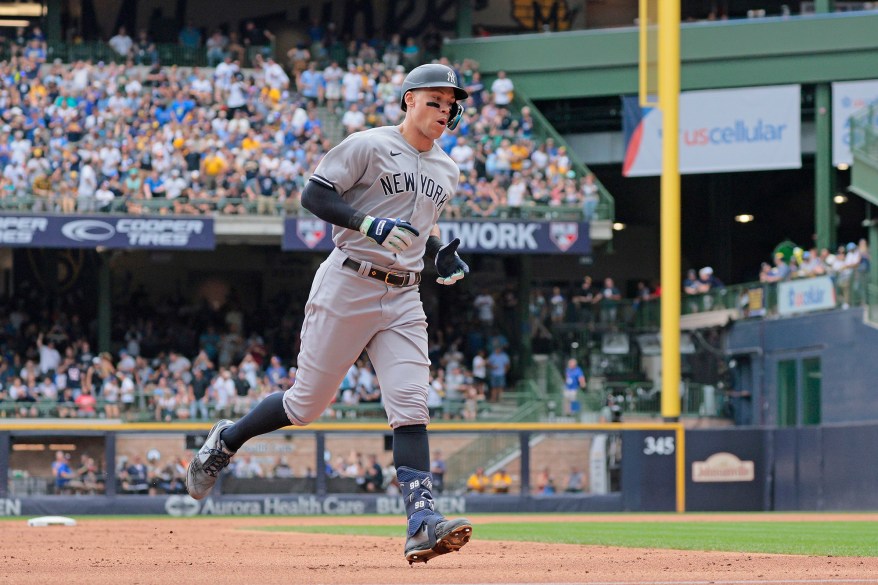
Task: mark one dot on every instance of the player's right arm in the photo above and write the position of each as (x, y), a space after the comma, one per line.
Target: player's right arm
(320, 198)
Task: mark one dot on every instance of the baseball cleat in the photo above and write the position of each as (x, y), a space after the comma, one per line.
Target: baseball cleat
(449, 536)
(208, 462)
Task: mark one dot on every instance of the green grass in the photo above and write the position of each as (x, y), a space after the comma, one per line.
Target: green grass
(856, 539)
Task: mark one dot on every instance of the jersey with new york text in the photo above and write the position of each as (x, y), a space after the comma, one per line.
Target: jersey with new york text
(379, 173)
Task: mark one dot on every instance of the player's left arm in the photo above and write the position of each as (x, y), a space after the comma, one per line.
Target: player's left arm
(449, 265)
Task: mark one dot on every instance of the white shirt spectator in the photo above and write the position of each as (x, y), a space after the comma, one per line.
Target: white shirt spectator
(237, 98)
(352, 84)
(88, 181)
(275, 76)
(484, 304)
(516, 191)
(224, 73)
(464, 155)
(104, 196)
(174, 185)
(502, 89)
(353, 120)
(50, 358)
(121, 43)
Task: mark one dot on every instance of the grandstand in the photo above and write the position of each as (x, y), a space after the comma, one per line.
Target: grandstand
(150, 207)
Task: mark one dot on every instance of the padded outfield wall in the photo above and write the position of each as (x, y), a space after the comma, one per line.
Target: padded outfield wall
(808, 469)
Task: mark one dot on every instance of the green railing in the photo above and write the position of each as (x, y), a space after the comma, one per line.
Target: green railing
(864, 132)
(167, 54)
(28, 202)
(543, 129)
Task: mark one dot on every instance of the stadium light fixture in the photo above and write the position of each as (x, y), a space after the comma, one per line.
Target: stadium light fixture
(840, 198)
(618, 226)
(22, 9)
(744, 218)
(13, 23)
(843, 166)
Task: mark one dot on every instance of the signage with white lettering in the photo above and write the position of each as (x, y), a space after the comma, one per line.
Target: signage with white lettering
(52, 231)
(498, 237)
(803, 296)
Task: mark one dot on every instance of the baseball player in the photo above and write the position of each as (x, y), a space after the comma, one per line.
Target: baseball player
(383, 190)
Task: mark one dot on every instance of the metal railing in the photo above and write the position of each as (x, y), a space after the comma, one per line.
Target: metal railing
(543, 129)
(165, 53)
(864, 132)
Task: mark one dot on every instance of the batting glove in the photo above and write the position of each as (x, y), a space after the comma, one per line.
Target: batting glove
(392, 234)
(449, 265)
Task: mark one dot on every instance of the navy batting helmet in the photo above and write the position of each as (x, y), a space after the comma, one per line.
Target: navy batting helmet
(436, 75)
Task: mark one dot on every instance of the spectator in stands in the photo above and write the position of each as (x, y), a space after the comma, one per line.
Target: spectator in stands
(501, 481)
(134, 478)
(557, 306)
(144, 50)
(544, 484)
(779, 272)
(373, 475)
(478, 482)
(190, 36)
(502, 90)
(353, 119)
(575, 481)
(121, 43)
(61, 472)
(609, 301)
(438, 469)
(86, 404)
(574, 383)
(281, 469)
(498, 365)
(247, 468)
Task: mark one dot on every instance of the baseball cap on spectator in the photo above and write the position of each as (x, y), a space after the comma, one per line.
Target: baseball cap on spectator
(851, 246)
(707, 270)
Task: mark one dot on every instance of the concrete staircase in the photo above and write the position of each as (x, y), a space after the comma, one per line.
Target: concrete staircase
(332, 127)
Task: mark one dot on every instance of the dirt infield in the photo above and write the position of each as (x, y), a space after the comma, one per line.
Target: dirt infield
(218, 551)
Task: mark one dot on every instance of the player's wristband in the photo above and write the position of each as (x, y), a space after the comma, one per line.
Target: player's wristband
(433, 246)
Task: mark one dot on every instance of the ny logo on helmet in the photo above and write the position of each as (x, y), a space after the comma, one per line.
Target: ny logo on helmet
(451, 77)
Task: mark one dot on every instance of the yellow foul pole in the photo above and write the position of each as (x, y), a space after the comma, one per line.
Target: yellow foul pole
(669, 103)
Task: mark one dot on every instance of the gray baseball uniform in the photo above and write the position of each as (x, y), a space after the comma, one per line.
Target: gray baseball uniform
(378, 172)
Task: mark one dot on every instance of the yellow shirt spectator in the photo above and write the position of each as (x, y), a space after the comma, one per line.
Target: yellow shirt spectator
(214, 164)
(250, 143)
(501, 482)
(478, 482)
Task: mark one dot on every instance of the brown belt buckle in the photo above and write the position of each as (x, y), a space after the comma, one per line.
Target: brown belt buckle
(402, 275)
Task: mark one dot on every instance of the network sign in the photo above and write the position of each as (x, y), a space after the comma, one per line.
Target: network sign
(803, 296)
(51, 231)
(498, 237)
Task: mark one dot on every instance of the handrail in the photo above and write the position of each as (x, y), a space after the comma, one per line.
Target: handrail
(864, 132)
(606, 208)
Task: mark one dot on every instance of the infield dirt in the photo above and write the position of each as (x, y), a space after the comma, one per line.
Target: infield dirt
(219, 551)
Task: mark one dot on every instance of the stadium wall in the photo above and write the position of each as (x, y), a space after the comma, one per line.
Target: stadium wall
(843, 341)
(806, 468)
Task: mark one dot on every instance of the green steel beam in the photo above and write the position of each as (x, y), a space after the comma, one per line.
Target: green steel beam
(824, 173)
(767, 51)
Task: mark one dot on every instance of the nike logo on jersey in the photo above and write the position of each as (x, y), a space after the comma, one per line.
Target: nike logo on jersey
(395, 153)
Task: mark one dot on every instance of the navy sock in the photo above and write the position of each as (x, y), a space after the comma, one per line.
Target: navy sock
(267, 416)
(411, 447)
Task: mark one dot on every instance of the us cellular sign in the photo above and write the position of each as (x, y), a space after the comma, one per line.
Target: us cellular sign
(497, 237)
(50, 231)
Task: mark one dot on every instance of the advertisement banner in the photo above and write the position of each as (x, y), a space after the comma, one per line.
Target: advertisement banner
(497, 237)
(92, 231)
(748, 129)
(803, 296)
(848, 98)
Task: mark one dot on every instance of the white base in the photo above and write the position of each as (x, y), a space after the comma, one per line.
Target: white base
(51, 521)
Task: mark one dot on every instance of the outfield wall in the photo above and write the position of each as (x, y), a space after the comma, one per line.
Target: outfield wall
(732, 469)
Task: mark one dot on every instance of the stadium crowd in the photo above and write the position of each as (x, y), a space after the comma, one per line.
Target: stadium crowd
(137, 136)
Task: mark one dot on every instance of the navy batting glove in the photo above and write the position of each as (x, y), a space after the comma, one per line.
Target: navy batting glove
(393, 234)
(449, 265)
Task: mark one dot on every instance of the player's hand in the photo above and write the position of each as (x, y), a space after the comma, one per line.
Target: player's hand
(392, 233)
(449, 265)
